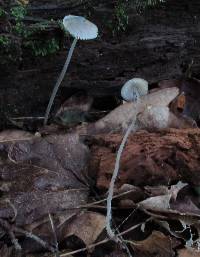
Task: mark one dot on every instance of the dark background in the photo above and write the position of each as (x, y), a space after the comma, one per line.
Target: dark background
(158, 43)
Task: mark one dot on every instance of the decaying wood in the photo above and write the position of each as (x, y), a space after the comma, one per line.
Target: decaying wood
(159, 158)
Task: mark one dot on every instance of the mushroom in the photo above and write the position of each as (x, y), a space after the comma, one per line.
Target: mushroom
(79, 28)
(133, 89)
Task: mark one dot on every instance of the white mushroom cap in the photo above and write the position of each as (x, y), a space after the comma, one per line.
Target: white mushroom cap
(79, 27)
(134, 88)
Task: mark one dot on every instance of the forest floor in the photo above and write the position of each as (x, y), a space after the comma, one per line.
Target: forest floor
(54, 182)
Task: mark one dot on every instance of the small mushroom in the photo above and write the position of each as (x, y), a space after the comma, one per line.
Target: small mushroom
(133, 89)
(79, 28)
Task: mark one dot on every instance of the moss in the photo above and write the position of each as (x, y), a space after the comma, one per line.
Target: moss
(43, 48)
(18, 12)
(4, 40)
(121, 15)
(119, 21)
(2, 13)
(29, 34)
(9, 50)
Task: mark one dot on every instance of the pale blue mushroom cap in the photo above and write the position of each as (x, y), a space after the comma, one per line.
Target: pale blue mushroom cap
(79, 27)
(134, 89)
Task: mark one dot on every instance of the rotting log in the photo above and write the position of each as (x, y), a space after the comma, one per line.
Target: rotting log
(158, 44)
(159, 158)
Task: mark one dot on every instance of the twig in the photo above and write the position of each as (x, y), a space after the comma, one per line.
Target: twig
(103, 200)
(54, 235)
(13, 208)
(9, 229)
(103, 241)
(35, 238)
(126, 219)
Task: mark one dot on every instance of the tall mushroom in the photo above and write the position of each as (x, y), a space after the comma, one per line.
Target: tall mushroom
(131, 91)
(79, 28)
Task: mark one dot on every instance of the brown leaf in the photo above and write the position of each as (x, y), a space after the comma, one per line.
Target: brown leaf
(6, 251)
(169, 83)
(117, 253)
(60, 153)
(191, 89)
(74, 110)
(43, 175)
(162, 202)
(156, 203)
(154, 117)
(157, 244)
(87, 226)
(188, 252)
(181, 121)
(120, 118)
(9, 136)
(188, 101)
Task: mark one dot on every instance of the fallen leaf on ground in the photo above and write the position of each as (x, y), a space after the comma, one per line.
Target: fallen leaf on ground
(74, 110)
(188, 253)
(191, 89)
(87, 226)
(162, 202)
(41, 176)
(6, 251)
(7, 136)
(157, 244)
(120, 118)
(159, 117)
(170, 83)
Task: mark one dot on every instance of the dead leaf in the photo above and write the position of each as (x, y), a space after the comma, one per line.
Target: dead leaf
(117, 253)
(188, 252)
(120, 118)
(8, 136)
(154, 117)
(181, 121)
(6, 251)
(188, 101)
(136, 194)
(61, 153)
(28, 122)
(178, 104)
(157, 244)
(23, 2)
(74, 110)
(167, 83)
(191, 89)
(87, 226)
(43, 175)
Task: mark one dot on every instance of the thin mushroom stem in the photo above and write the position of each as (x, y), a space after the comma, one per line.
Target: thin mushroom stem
(60, 78)
(109, 230)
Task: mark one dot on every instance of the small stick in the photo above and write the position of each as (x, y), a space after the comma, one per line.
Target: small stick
(35, 238)
(54, 235)
(103, 241)
(9, 229)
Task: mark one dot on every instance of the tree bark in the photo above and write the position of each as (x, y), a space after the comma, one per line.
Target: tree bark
(157, 44)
